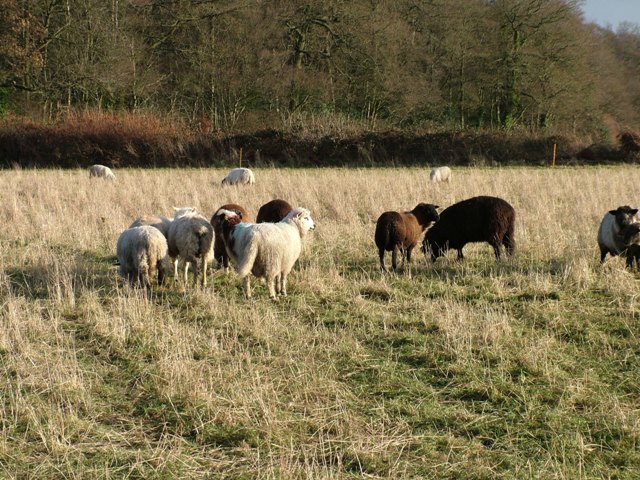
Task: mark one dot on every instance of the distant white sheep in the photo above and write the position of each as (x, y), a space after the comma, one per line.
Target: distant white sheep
(191, 238)
(142, 252)
(101, 171)
(440, 174)
(239, 176)
(266, 250)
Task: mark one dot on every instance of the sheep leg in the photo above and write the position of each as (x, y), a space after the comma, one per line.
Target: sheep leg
(194, 262)
(161, 274)
(381, 253)
(629, 259)
(204, 271)
(460, 254)
(185, 271)
(509, 242)
(283, 284)
(271, 284)
(496, 250)
(408, 254)
(603, 253)
(394, 258)
(246, 287)
(278, 280)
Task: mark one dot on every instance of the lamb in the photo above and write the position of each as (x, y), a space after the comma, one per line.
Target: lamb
(101, 171)
(477, 219)
(401, 231)
(219, 250)
(440, 174)
(610, 239)
(239, 176)
(273, 211)
(266, 250)
(142, 252)
(191, 238)
(631, 240)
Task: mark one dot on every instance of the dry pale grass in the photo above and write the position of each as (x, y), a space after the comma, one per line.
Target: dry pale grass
(521, 369)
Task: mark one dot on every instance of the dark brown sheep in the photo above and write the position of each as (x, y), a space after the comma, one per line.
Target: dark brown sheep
(273, 211)
(401, 231)
(219, 251)
(477, 219)
(631, 239)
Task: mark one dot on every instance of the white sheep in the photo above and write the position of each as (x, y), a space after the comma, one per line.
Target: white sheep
(610, 238)
(101, 171)
(239, 176)
(158, 221)
(191, 238)
(266, 250)
(162, 223)
(142, 251)
(440, 174)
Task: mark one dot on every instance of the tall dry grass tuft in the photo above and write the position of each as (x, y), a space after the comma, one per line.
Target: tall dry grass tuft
(473, 369)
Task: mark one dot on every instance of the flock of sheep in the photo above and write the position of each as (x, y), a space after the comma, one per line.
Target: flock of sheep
(270, 247)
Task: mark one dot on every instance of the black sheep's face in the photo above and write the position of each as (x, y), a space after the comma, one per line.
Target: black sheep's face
(428, 212)
(625, 215)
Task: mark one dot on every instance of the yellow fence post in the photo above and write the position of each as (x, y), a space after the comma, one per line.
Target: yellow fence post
(553, 163)
(240, 156)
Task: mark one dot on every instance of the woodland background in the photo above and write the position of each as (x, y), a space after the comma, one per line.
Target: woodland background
(190, 82)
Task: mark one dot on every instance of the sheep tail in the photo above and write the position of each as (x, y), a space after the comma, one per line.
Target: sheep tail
(246, 261)
(201, 233)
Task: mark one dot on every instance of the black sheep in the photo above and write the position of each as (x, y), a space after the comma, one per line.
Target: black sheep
(401, 231)
(477, 219)
(631, 239)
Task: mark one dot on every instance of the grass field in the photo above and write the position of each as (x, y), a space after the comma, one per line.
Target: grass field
(526, 368)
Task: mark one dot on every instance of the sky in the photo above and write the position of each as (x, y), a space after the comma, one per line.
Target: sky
(609, 13)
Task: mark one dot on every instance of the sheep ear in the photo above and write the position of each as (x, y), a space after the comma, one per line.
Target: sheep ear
(613, 212)
(634, 211)
(436, 206)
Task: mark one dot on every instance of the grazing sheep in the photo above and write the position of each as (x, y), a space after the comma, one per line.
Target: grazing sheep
(142, 251)
(101, 171)
(273, 211)
(401, 231)
(440, 174)
(191, 238)
(609, 233)
(631, 239)
(219, 250)
(158, 221)
(239, 176)
(266, 250)
(477, 219)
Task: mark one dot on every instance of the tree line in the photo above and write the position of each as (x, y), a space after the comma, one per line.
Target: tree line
(232, 65)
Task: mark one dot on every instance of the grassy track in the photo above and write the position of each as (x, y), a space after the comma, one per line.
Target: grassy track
(527, 368)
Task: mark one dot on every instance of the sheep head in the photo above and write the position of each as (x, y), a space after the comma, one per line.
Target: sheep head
(182, 211)
(302, 218)
(228, 216)
(426, 214)
(625, 215)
